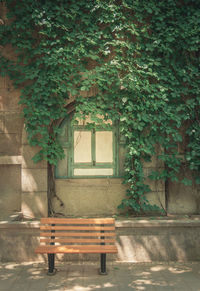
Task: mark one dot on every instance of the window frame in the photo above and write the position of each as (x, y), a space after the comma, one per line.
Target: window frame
(68, 144)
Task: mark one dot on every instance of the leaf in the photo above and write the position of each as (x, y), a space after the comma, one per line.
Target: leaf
(187, 182)
(197, 180)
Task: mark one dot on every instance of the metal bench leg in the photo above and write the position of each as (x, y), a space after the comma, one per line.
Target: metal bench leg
(51, 262)
(103, 265)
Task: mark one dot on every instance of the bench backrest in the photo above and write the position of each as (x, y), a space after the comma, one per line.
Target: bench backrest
(77, 231)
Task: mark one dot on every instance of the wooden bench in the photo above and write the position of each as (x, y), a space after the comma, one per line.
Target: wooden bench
(77, 236)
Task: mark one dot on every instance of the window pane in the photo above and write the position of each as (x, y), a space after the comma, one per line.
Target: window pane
(62, 167)
(82, 147)
(104, 147)
(93, 172)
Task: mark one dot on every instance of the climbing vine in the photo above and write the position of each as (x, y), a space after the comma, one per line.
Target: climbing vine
(142, 58)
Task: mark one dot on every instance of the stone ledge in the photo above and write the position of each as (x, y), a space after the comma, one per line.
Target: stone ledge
(15, 225)
(129, 223)
(158, 223)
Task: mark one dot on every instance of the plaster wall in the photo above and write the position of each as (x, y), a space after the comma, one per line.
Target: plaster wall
(98, 197)
(88, 197)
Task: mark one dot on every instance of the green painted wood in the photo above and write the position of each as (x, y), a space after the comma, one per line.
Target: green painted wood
(68, 142)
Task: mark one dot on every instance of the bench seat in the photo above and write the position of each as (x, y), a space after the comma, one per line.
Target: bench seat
(76, 249)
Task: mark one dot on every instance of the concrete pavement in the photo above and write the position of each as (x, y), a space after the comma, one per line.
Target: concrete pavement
(84, 277)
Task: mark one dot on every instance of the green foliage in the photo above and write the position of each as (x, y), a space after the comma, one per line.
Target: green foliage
(141, 56)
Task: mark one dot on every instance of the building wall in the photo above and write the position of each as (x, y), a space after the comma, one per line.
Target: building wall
(10, 148)
(100, 196)
(34, 182)
(89, 197)
(183, 199)
(23, 184)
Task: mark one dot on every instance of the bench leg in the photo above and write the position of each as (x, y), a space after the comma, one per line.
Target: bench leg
(51, 262)
(103, 265)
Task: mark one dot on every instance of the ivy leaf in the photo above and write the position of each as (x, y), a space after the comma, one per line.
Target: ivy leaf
(187, 182)
(197, 180)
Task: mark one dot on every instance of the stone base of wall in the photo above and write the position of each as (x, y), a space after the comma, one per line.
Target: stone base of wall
(138, 240)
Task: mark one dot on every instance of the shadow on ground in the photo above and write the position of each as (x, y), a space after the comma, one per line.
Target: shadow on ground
(84, 277)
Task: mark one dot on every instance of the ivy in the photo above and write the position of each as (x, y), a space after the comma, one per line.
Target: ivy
(142, 58)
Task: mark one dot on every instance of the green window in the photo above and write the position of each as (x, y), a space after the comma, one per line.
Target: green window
(89, 152)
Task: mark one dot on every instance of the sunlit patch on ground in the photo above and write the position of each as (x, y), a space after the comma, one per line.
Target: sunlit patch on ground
(85, 277)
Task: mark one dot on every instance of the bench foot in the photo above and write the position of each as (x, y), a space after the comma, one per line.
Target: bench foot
(102, 273)
(52, 273)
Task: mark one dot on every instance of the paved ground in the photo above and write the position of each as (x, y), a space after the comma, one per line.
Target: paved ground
(84, 277)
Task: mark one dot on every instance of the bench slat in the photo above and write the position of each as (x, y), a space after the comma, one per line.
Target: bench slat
(77, 220)
(80, 234)
(77, 240)
(49, 227)
(76, 249)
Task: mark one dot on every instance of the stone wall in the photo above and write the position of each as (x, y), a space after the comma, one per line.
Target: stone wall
(34, 182)
(10, 148)
(10, 197)
(23, 184)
